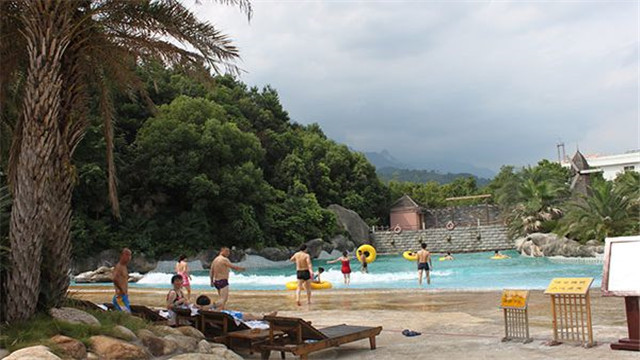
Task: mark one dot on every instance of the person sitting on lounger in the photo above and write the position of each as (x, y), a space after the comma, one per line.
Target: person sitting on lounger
(175, 298)
(316, 276)
(203, 302)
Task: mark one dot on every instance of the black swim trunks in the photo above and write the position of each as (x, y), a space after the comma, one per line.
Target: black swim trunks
(221, 284)
(303, 275)
(423, 266)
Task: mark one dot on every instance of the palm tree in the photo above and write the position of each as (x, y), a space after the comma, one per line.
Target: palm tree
(536, 207)
(611, 210)
(63, 54)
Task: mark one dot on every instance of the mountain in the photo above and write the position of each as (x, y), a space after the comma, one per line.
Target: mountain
(422, 176)
(384, 159)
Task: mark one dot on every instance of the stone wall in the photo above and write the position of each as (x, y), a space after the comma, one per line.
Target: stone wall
(462, 215)
(460, 239)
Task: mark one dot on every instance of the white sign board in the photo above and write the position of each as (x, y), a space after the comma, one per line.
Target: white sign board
(621, 275)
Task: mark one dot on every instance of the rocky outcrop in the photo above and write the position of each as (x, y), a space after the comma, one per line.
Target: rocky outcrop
(206, 256)
(341, 243)
(185, 343)
(314, 247)
(352, 223)
(39, 352)
(329, 256)
(205, 347)
(163, 330)
(109, 258)
(123, 333)
(108, 348)
(272, 253)
(157, 346)
(539, 244)
(70, 347)
(73, 316)
(102, 274)
(218, 354)
(191, 332)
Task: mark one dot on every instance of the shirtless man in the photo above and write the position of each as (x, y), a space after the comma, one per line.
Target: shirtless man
(304, 272)
(121, 282)
(424, 263)
(219, 275)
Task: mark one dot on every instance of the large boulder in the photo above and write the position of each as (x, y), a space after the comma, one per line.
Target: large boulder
(540, 244)
(341, 243)
(108, 348)
(329, 256)
(140, 263)
(103, 274)
(157, 346)
(73, 316)
(123, 333)
(185, 343)
(163, 330)
(4, 353)
(39, 352)
(314, 247)
(206, 257)
(218, 354)
(70, 347)
(108, 258)
(352, 223)
(205, 347)
(191, 332)
(275, 254)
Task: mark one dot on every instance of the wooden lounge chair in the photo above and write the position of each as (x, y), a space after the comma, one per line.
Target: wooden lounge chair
(147, 314)
(86, 304)
(216, 325)
(301, 338)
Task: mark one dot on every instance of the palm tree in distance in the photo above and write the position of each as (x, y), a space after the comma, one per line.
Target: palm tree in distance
(60, 55)
(536, 208)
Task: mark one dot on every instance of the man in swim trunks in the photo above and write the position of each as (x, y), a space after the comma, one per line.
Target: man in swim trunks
(121, 282)
(424, 263)
(304, 272)
(219, 275)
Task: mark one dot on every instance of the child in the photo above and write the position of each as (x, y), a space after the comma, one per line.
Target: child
(316, 276)
(448, 256)
(363, 263)
(346, 267)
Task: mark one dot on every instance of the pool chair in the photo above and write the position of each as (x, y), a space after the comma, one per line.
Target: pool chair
(147, 313)
(302, 338)
(216, 325)
(88, 305)
(185, 317)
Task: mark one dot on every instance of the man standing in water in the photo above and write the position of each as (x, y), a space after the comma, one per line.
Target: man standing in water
(424, 263)
(121, 282)
(219, 275)
(304, 272)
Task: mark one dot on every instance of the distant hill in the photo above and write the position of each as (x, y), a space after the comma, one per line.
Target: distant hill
(384, 159)
(422, 176)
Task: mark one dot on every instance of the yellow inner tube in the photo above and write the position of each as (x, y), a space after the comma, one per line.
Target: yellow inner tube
(293, 285)
(499, 257)
(410, 255)
(442, 258)
(369, 251)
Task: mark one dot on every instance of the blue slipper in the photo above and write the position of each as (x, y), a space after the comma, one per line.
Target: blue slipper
(407, 332)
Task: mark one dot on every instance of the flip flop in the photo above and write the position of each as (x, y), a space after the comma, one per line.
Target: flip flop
(407, 332)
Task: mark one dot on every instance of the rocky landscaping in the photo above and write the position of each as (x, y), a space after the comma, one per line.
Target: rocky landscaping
(539, 244)
(152, 342)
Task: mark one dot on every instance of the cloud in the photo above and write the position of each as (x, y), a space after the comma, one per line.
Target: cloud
(484, 83)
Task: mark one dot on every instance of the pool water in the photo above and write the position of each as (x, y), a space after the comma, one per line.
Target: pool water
(474, 271)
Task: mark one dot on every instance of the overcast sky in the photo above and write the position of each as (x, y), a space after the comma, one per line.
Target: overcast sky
(487, 83)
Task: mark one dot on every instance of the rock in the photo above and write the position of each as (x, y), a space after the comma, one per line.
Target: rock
(108, 258)
(123, 333)
(539, 244)
(204, 347)
(218, 354)
(326, 256)
(163, 330)
(314, 247)
(103, 274)
(73, 316)
(185, 343)
(39, 352)
(327, 247)
(226, 354)
(593, 243)
(191, 331)
(275, 254)
(236, 255)
(70, 347)
(206, 257)
(4, 353)
(92, 356)
(108, 348)
(352, 223)
(341, 243)
(157, 346)
(142, 264)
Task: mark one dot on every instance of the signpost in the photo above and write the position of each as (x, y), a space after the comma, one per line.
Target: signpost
(516, 318)
(571, 310)
(621, 277)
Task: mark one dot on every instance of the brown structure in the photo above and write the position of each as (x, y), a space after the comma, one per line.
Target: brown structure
(406, 214)
(580, 181)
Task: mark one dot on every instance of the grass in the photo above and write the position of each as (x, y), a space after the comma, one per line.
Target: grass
(40, 328)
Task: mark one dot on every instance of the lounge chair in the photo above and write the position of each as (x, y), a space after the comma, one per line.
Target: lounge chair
(302, 338)
(86, 304)
(147, 314)
(216, 325)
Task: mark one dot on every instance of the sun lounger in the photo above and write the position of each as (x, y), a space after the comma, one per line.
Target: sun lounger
(147, 314)
(302, 338)
(216, 325)
(86, 304)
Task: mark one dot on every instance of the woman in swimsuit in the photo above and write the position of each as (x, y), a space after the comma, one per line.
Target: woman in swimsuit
(346, 267)
(175, 298)
(182, 269)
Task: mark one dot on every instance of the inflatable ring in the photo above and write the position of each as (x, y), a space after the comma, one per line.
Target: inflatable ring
(293, 285)
(443, 258)
(451, 225)
(499, 257)
(397, 229)
(368, 251)
(410, 255)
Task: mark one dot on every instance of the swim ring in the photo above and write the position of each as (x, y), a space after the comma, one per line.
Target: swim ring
(443, 258)
(293, 285)
(499, 257)
(410, 255)
(369, 252)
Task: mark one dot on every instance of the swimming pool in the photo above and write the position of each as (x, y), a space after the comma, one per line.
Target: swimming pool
(466, 272)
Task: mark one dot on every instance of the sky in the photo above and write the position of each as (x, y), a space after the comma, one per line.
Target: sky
(486, 83)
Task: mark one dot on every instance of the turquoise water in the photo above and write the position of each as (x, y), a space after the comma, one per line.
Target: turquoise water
(466, 272)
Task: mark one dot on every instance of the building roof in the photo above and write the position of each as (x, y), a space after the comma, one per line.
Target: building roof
(405, 202)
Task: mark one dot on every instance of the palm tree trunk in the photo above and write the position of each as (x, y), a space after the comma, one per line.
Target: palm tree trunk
(46, 27)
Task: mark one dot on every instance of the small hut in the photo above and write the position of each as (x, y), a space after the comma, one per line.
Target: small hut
(406, 214)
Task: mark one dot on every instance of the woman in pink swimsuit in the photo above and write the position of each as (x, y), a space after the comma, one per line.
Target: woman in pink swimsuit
(346, 267)
(182, 269)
